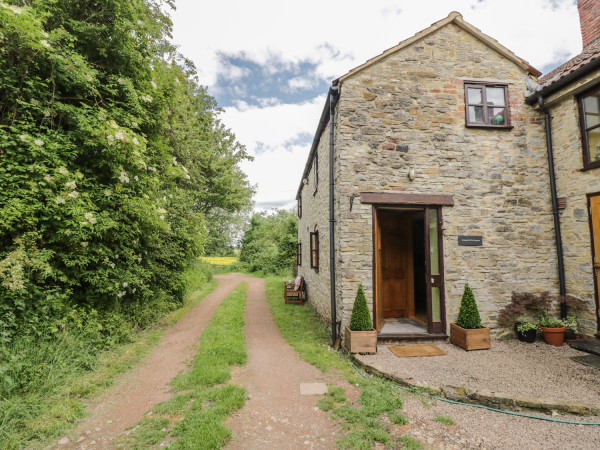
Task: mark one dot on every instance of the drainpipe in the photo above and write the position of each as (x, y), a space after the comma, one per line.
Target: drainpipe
(559, 250)
(333, 96)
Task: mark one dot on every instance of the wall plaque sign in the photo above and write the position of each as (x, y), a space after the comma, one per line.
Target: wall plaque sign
(475, 241)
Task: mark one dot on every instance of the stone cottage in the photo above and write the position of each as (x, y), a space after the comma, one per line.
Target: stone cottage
(429, 170)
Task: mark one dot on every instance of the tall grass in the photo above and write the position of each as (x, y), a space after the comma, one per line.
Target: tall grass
(44, 381)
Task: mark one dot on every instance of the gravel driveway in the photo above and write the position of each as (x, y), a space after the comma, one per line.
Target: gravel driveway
(509, 368)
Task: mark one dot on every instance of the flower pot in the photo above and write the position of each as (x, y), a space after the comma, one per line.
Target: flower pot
(475, 339)
(570, 335)
(527, 336)
(361, 341)
(553, 336)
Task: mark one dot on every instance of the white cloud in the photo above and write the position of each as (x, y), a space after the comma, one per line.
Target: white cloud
(302, 83)
(270, 134)
(342, 36)
(336, 37)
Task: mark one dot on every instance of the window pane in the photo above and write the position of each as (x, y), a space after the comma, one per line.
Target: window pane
(433, 242)
(592, 110)
(474, 96)
(475, 114)
(496, 116)
(436, 310)
(495, 96)
(594, 144)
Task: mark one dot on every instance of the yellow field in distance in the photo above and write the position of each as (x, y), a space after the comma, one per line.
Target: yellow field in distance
(219, 260)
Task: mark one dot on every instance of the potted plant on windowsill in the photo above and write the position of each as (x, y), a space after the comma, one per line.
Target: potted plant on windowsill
(467, 332)
(553, 330)
(360, 335)
(526, 331)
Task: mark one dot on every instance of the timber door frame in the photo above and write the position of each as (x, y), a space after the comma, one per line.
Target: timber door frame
(595, 259)
(436, 280)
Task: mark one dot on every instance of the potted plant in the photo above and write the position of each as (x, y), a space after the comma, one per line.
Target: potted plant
(575, 308)
(571, 328)
(360, 335)
(526, 331)
(524, 307)
(553, 330)
(467, 332)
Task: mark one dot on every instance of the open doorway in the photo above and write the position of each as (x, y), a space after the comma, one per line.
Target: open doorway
(404, 280)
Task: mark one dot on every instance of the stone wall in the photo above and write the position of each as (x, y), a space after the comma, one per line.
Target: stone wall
(315, 216)
(574, 184)
(407, 112)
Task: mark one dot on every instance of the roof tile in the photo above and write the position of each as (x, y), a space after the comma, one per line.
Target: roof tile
(586, 56)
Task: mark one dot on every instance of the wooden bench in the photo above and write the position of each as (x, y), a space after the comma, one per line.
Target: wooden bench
(295, 291)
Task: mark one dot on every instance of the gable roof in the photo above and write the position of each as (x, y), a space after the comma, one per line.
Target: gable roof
(453, 17)
(457, 19)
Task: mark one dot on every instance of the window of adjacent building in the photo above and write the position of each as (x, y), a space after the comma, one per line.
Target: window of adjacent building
(300, 207)
(487, 105)
(299, 254)
(314, 250)
(316, 167)
(589, 104)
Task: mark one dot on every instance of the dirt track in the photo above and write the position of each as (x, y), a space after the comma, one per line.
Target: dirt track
(276, 414)
(148, 384)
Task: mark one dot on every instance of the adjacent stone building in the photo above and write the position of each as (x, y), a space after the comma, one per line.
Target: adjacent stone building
(440, 178)
(570, 97)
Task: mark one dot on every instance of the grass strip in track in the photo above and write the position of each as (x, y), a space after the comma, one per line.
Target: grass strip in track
(35, 418)
(378, 409)
(194, 418)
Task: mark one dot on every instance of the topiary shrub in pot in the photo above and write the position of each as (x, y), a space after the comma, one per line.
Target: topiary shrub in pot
(360, 335)
(467, 332)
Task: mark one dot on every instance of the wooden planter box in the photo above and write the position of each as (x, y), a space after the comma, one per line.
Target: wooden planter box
(476, 339)
(361, 341)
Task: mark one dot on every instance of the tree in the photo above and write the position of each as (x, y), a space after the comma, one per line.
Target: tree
(269, 244)
(112, 158)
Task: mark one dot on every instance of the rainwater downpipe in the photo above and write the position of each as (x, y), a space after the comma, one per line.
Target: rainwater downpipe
(557, 233)
(333, 95)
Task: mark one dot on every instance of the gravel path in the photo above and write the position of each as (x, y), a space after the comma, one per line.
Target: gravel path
(510, 367)
(277, 416)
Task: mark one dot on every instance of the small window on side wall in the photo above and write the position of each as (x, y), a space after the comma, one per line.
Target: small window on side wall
(589, 108)
(487, 105)
(300, 207)
(299, 254)
(314, 250)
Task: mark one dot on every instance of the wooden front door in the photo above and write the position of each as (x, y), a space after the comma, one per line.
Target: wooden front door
(397, 275)
(595, 229)
(394, 265)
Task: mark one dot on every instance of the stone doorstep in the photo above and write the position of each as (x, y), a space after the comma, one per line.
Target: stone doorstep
(490, 399)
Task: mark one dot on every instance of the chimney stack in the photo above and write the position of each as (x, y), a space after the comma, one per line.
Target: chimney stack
(589, 18)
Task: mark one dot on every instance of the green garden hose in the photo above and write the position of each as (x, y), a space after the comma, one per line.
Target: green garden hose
(511, 413)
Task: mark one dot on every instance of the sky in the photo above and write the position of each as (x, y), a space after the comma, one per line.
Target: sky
(269, 63)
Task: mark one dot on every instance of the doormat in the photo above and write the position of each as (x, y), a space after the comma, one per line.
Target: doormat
(406, 351)
(588, 360)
